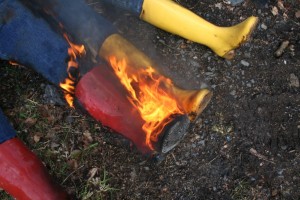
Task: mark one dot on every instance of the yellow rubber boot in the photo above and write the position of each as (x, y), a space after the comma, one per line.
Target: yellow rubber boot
(171, 17)
(193, 102)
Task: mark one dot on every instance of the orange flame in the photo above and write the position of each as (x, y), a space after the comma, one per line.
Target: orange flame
(147, 94)
(13, 63)
(69, 83)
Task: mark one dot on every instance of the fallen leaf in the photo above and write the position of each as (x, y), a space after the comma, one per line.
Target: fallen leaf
(37, 137)
(44, 111)
(54, 145)
(50, 134)
(274, 11)
(88, 136)
(274, 193)
(93, 172)
(73, 164)
(280, 5)
(30, 122)
(297, 14)
(285, 16)
(75, 154)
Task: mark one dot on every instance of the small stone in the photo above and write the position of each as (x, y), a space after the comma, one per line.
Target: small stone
(218, 5)
(165, 189)
(235, 2)
(284, 147)
(229, 63)
(194, 64)
(147, 168)
(206, 55)
(209, 74)
(69, 119)
(245, 63)
(228, 138)
(280, 172)
(263, 26)
(201, 142)
(294, 80)
(233, 92)
(161, 41)
(52, 96)
(133, 174)
(282, 48)
(247, 55)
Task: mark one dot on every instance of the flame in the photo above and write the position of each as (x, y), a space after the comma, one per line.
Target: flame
(14, 63)
(69, 83)
(147, 94)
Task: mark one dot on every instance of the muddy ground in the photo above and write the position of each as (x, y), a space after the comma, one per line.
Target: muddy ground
(244, 146)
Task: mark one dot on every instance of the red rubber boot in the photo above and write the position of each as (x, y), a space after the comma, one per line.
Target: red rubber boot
(24, 176)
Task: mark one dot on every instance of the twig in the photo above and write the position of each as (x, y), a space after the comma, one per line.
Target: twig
(212, 160)
(260, 156)
(71, 174)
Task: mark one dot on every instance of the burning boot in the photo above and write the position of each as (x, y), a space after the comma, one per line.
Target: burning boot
(133, 98)
(171, 17)
(122, 55)
(154, 128)
(22, 174)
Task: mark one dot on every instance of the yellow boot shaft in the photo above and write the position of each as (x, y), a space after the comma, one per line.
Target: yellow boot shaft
(193, 101)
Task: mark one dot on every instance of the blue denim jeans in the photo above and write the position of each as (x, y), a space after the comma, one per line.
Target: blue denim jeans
(6, 130)
(133, 6)
(29, 40)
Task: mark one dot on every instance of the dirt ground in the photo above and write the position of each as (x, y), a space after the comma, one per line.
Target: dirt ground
(244, 146)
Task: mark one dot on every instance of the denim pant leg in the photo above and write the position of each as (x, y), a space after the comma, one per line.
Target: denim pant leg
(6, 130)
